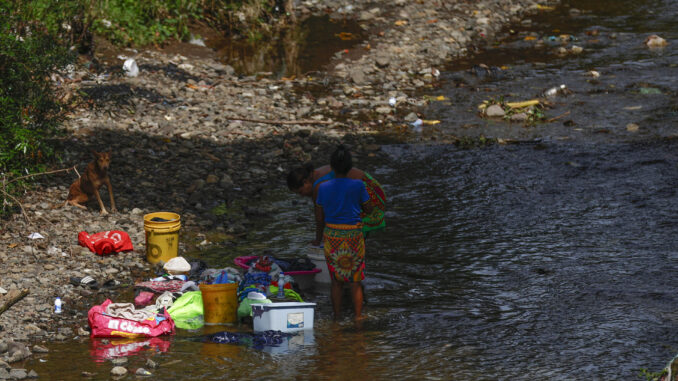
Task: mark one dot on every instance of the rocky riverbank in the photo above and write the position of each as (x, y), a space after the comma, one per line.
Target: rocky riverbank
(190, 135)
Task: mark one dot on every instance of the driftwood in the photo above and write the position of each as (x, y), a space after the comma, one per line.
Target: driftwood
(13, 300)
(266, 121)
(558, 117)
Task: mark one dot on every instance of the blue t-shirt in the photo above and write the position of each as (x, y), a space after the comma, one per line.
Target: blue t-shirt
(342, 199)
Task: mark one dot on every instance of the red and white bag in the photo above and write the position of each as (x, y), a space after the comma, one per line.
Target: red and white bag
(111, 241)
(104, 325)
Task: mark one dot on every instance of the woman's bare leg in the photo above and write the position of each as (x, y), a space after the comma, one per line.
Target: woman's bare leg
(357, 296)
(337, 289)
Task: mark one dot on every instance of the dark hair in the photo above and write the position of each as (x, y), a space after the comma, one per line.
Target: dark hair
(296, 177)
(341, 161)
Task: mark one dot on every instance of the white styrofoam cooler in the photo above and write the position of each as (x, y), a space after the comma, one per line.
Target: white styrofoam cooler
(317, 256)
(285, 317)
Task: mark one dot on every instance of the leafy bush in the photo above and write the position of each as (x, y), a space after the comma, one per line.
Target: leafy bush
(29, 55)
(143, 22)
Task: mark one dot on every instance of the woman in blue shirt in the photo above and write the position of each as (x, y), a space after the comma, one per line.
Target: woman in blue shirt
(340, 202)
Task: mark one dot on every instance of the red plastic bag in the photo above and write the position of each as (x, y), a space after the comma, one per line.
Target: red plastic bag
(112, 241)
(104, 325)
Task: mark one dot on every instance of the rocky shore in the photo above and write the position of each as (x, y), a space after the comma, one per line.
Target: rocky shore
(190, 134)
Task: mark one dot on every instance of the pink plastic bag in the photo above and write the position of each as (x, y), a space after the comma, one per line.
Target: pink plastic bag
(104, 325)
(144, 298)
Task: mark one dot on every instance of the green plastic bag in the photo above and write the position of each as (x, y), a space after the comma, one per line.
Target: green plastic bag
(187, 306)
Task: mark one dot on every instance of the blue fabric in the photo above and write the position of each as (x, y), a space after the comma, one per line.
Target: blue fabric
(342, 199)
(328, 176)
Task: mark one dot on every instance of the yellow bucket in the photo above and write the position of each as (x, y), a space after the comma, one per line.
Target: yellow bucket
(162, 237)
(220, 303)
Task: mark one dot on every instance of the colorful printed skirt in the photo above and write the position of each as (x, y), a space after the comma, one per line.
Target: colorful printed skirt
(345, 252)
(374, 220)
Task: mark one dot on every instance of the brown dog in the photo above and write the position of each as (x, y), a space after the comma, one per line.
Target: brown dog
(96, 175)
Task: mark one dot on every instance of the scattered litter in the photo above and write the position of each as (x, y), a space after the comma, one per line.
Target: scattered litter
(593, 74)
(130, 67)
(576, 49)
(112, 241)
(392, 101)
(655, 41)
(3, 291)
(417, 125)
(35, 236)
(196, 40)
(558, 90)
(531, 102)
(632, 127)
(177, 265)
(401, 23)
(53, 250)
(633, 108)
(650, 91)
(106, 23)
(431, 122)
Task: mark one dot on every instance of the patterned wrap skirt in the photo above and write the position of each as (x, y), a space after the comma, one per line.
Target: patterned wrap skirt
(345, 252)
(374, 220)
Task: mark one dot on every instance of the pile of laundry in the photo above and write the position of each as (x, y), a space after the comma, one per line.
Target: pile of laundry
(173, 298)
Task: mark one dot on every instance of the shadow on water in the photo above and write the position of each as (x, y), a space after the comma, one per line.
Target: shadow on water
(302, 49)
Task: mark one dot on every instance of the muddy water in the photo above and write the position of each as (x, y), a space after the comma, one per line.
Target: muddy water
(301, 50)
(547, 259)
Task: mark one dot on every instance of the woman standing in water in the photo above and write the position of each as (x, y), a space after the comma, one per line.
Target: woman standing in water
(339, 203)
(305, 180)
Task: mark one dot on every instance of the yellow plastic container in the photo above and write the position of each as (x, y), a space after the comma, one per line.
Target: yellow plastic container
(219, 302)
(162, 237)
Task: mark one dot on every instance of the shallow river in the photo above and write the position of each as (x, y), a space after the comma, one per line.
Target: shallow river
(550, 258)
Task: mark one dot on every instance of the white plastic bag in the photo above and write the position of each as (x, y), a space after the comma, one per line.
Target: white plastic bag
(130, 67)
(177, 265)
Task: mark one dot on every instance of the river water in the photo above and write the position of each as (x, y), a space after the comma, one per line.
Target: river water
(552, 258)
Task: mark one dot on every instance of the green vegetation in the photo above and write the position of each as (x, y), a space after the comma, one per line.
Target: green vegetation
(651, 376)
(29, 54)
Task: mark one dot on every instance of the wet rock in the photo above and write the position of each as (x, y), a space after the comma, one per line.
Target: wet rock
(358, 76)
(18, 374)
(382, 61)
(518, 118)
(120, 361)
(411, 117)
(4, 374)
(118, 371)
(495, 111)
(143, 372)
(40, 349)
(17, 352)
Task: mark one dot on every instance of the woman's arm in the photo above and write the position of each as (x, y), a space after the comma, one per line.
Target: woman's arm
(319, 224)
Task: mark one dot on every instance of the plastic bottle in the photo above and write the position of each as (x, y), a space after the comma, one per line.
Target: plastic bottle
(281, 285)
(57, 305)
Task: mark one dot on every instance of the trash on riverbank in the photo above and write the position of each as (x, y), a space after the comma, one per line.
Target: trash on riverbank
(528, 112)
(654, 41)
(130, 67)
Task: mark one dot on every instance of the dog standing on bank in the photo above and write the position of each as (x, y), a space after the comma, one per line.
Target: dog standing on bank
(96, 175)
